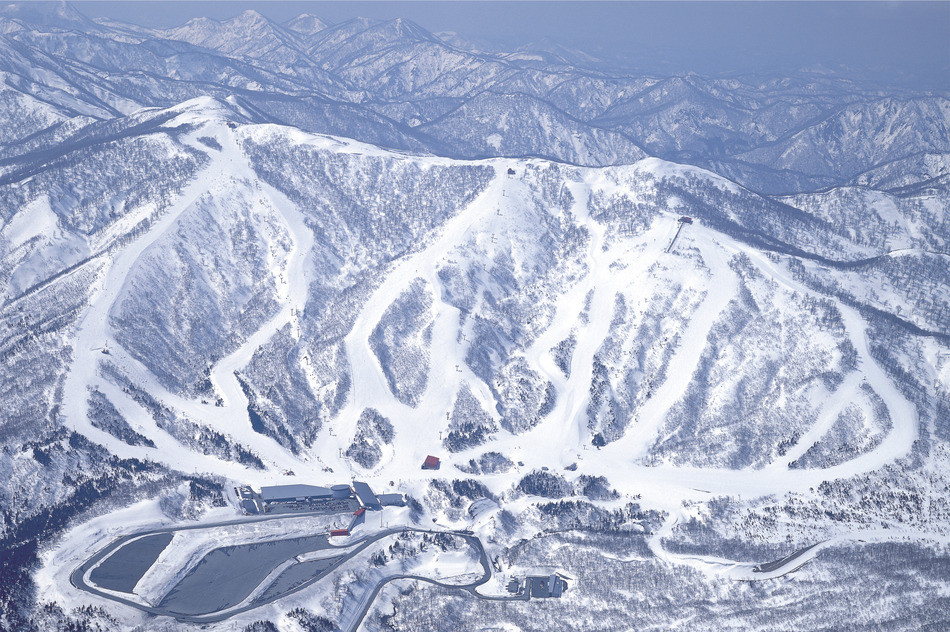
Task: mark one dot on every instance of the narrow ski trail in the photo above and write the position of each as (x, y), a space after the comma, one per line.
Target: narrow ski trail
(447, 366)
(556, 440)
(227, 166)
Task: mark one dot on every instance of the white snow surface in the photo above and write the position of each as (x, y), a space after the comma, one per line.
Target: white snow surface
(616, 266)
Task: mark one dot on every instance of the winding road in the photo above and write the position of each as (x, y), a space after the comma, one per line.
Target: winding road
(78, 576)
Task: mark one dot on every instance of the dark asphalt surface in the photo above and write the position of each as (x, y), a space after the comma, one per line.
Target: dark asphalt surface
(123, 570)
(226, 576)
(77, 576)
(469, 588)
(768, 567)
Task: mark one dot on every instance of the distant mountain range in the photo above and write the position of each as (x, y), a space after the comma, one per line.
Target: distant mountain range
(661, 331)
(395, 85)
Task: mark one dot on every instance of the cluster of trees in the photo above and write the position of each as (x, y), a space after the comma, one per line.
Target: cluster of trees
(84, 180)
(308, 621)
(627, 214)
(401, 342)
(563, 352)
(221, 275)
(488, 463)
(103, 415)
(407, 198)
(545, 484)
(523, 397)
(550, 485)
(850, 435)
(51, 616)
(198, 437)
(456, 496)
(265, 419)
(469, 424)
(566, 515)
(372, 429)
(279, 393)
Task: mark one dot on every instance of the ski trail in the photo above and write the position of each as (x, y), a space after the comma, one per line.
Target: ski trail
(568, 305)
(904, 418)
(563, 430)
(663, 486)
(722, 287)
(91, 330)
(570, 410)
(603, 284)
(446, 363)
(292, 291)
(666, 486)
(834, 403)
(229, 165)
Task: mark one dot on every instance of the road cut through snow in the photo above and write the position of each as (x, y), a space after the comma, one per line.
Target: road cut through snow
(773, 569)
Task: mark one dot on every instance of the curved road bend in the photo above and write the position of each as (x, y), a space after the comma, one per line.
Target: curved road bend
(77, 578)
(469, 588)
(777, 564)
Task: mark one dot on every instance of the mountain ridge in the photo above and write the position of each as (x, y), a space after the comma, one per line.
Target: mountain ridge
(372, 73)
(221, 270)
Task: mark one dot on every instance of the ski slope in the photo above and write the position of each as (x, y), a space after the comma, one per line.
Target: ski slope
(489, 225)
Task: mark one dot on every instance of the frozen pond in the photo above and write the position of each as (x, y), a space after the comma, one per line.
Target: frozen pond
(298, 574)
(226, 576)
(122, 570)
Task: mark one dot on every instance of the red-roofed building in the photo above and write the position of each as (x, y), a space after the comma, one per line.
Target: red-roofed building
(431, 463)
(339, 532)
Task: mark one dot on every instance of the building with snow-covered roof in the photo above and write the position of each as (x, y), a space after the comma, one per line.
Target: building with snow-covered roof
(551, 586)
(391, 500)
(366, 496)
(291, 493)
(341, 491)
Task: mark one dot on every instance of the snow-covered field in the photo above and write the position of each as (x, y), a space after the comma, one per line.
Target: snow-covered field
(713, 395)
(479, 303)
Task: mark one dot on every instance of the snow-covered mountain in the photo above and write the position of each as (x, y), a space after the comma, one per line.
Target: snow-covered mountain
(396, 85)
(247, 253)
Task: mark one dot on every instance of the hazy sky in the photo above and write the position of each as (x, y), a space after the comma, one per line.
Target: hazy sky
(892, 39)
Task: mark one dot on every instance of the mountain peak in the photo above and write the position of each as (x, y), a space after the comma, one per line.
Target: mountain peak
(59, 14)
(408, 28)
(249, 16)
(305, 24)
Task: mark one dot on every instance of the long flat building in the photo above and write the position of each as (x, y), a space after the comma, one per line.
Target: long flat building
(291, 493)
(391, 500)
(366, 496)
